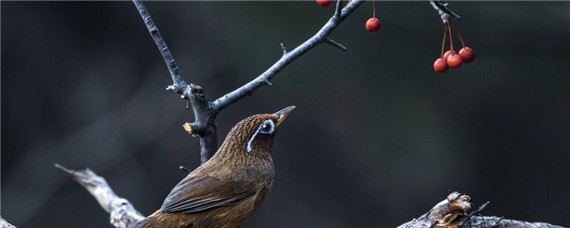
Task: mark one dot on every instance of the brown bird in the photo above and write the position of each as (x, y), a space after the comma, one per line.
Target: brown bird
(228, 188)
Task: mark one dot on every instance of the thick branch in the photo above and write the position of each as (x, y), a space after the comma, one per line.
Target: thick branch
(444, 12)
(5, 224)
(122, 212)
(451, 213)
(483, 222)
(320, 37)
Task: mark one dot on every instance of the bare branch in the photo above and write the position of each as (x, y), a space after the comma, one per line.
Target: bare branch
(336, 44)
(5, 224)
(338, 8)
(178, 85)
(122, 212)
(204, 124)
(320, 37)
(444, 12)
(451, 213)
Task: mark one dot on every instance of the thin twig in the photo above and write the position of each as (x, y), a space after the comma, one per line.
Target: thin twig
(338, 8)
(473, 213)
(284, 49)
(336, 44)
(178, 85)
(184, 169)
(444, 12)
(204, 124)
(320, 37)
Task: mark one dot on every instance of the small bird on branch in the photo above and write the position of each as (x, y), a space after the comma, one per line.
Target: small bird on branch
(228, 188)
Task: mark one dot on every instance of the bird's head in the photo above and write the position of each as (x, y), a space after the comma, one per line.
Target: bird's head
(254, 135)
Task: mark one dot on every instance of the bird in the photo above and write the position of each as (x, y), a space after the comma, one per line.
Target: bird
(227, 189)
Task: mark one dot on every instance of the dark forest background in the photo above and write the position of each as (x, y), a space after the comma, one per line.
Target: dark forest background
(377, 137)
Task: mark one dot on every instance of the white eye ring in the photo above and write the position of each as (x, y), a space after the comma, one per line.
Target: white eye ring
(267, 127)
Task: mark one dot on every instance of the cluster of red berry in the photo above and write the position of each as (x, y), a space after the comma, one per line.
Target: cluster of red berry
(373, 24)
(451, 58)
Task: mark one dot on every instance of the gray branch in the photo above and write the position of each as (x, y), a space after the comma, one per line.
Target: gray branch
(5, 224)
(122, 212)
(444, 12)
(439, 215)
(322, 36)
(483, 222)
(204, 124)
(205, 112)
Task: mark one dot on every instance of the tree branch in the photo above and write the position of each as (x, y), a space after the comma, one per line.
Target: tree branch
(205, 112)
(179, 86)
(204, 124)
(450, 213)
(444, 12)
(122, 212)
(5, 224)
(320, 37)
(483, 222)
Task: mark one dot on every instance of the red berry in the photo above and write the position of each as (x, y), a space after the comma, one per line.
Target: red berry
(440, 65)
(447, 54)
(324, 2)
(454, 61)
(373, 24)
(467, 54)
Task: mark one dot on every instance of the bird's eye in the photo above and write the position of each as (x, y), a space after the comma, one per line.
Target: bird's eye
(267, 127)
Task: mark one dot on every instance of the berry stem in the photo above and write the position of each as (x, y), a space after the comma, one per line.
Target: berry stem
(443, 42)
(373, 8)
(346, 4)
(450, 38)
(459, 34)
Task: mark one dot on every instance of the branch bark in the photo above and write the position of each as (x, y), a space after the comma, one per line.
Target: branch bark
(5, 224)
(122, 212)
(444, 12)
(451, 213)
(483, 222)
(205, 111)
(204, 124)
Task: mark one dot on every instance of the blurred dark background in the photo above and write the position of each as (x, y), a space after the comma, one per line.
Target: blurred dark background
(377, 138)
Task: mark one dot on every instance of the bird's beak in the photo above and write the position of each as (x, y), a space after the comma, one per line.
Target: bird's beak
(281, 115)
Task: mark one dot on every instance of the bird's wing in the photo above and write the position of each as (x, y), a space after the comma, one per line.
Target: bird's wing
(195, 194)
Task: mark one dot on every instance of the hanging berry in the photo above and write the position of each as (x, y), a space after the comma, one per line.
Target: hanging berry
(447, 54)
(454, 61)
(451, 58)
(467, 54)
(440, 65)
(373, 24)
(324, 3)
